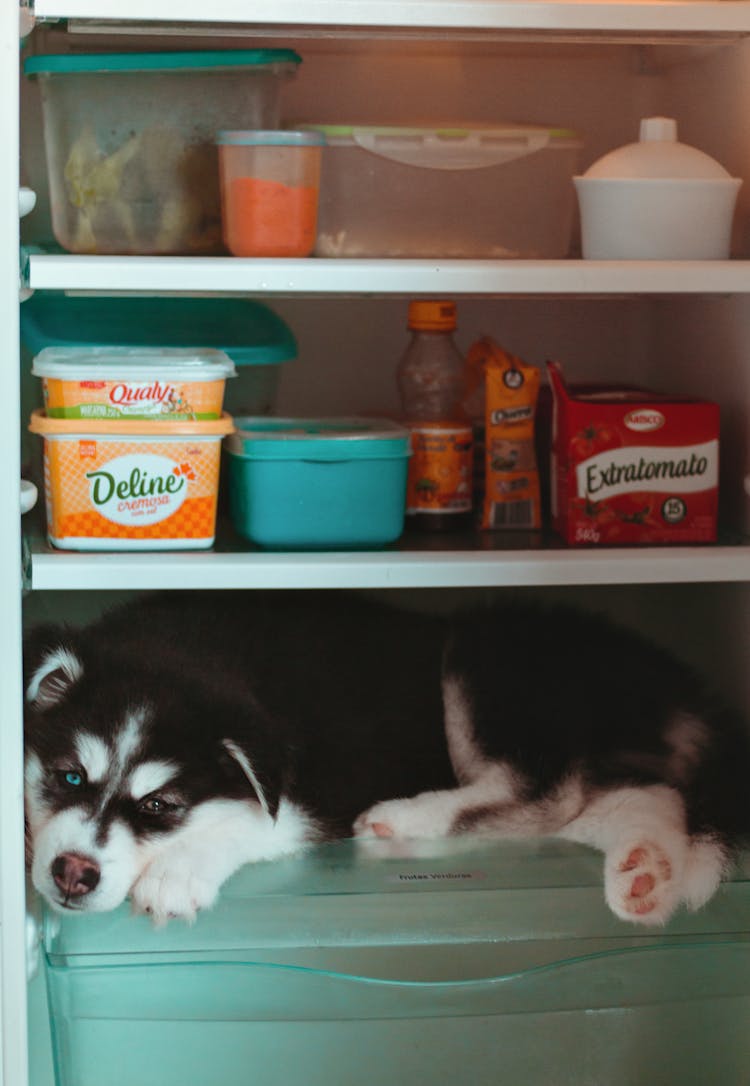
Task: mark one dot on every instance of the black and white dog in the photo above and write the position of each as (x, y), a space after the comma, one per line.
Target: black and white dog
(184, 735)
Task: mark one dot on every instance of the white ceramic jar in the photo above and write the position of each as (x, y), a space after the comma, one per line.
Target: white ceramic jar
(657, 199)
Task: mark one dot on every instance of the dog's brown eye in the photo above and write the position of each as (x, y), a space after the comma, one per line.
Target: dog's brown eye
(154, 805)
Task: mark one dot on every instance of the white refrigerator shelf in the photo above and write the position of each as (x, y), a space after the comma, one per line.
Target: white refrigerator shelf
(312, 276)
(548, 16)
(434, 562)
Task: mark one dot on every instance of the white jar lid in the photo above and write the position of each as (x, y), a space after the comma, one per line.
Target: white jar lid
(658, 153)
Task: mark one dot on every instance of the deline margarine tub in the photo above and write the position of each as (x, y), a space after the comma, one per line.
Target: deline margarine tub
(114, 484)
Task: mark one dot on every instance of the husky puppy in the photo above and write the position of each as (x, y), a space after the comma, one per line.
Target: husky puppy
(184, 735)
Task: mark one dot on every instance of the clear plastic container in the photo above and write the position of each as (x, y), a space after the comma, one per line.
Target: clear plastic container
(130, 141)
(484, 191)
(269, 191)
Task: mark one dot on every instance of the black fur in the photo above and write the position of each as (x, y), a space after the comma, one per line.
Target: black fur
(558, 691)
(337, 702)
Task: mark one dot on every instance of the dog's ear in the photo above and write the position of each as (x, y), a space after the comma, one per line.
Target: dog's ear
(262, 770)
(51, 666)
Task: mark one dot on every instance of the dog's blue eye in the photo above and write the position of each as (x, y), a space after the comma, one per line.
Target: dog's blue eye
(75, 780)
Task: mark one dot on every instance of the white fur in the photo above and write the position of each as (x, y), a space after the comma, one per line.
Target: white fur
(60, 659)
(73, 831)
(650, 862)
(94, 756)
(244, 763)
(127, 742)
(467, 760)
(220, 836)
(707, 864)
(168, 875)
(435, 814)
(150, 777)
(33, 776)
(432, 814)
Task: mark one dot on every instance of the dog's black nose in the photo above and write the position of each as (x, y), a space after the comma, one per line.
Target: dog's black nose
(76, 875)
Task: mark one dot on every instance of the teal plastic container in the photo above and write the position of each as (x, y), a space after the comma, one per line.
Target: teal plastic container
(318, 483)
(251, 334)
(491, 965)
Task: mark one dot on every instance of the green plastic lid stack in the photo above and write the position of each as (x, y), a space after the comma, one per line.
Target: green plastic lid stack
(249, 332)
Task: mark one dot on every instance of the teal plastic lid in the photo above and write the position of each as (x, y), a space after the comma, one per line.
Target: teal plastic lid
(62, 63)
(249, 332)
(274, 138)
(260, 438)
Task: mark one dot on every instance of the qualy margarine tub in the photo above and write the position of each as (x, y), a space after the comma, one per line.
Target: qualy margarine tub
(130, 485)
(132, 382)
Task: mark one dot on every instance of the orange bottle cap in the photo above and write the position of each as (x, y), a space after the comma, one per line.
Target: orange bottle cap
(432, 316)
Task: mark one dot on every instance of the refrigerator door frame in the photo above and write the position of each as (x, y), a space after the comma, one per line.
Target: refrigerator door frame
(13, 1023)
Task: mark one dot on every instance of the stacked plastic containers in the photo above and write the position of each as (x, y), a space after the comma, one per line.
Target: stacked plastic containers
(132, 432)
(131, 142)
(132, 442)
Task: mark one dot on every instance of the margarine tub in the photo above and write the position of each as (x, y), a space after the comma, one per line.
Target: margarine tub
(130, 484)
(132, 382)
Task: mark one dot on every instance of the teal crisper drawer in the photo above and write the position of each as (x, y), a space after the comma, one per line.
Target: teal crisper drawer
(492, 965)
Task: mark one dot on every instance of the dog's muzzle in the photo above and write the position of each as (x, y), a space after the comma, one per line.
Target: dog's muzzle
(75, 875)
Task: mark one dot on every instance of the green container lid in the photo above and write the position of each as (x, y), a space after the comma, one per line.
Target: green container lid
(63, 63)
(249, 332)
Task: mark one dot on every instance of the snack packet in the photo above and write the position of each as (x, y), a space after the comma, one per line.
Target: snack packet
(511, 491)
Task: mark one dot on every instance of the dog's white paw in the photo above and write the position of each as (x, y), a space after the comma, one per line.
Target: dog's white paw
(642, 883)
(426, 815)
(171, 889)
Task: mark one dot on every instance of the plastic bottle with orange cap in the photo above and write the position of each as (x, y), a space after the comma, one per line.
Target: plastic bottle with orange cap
(431, 380)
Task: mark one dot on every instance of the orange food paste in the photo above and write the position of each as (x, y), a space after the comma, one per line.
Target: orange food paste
(268, 218)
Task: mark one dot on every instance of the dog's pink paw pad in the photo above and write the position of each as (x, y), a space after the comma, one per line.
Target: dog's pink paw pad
(635, 857)
(381, 829)
(641, 884)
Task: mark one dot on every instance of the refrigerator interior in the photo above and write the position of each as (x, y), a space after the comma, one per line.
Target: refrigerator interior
(349, 345)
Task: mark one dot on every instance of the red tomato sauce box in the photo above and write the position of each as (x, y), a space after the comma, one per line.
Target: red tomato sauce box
(631, 466)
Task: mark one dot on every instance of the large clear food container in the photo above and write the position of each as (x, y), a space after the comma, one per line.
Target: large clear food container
(494, 965)
(130, 141)
(481, 191)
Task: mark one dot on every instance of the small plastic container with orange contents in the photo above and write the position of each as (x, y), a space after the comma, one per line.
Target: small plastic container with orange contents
(269, 191)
